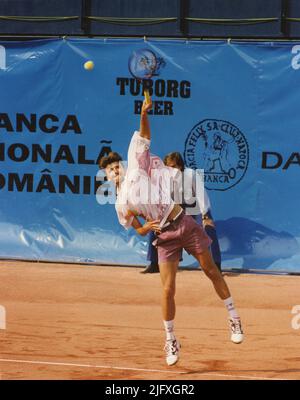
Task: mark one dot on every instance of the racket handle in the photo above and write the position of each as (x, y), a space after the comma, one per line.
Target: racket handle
(147, 96)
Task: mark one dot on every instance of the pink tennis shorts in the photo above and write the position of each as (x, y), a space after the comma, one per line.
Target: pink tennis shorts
(183, 233)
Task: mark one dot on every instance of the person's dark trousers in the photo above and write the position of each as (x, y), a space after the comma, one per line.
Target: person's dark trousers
(212, 233)
(152, 255)
(215, 249)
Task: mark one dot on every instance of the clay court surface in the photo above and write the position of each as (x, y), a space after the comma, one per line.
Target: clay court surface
(97, 322)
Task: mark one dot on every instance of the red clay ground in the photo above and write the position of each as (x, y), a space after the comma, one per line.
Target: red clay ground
(96, 322)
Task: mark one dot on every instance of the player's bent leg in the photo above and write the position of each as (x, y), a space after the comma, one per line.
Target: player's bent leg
(215, 247)
(215, 275)
(168, 272)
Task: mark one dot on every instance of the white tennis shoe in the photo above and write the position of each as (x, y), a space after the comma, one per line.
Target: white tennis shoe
(172, 351)
(237, 334)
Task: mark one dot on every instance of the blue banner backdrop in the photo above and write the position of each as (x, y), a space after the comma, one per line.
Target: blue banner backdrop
(231, 108)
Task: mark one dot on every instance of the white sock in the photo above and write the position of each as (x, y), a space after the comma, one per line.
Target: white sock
(169, 328)
(230, 308)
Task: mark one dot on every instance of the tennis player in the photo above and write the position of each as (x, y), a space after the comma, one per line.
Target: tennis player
(174, 229)
(199, 205)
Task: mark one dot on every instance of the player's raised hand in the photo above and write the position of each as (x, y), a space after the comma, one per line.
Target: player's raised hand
(144, 124)
(147, 103)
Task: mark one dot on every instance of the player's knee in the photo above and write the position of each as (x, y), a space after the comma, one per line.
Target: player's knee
(212, 272)
(169, 291)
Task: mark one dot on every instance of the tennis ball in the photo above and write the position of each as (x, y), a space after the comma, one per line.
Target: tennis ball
(89, 65)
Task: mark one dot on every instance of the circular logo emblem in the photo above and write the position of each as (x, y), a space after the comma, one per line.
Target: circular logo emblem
(220, 149)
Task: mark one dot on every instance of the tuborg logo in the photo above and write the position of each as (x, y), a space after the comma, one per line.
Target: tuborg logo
(143, 64)
(219, 148)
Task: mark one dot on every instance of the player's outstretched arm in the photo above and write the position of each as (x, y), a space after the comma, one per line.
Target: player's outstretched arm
(144, 124)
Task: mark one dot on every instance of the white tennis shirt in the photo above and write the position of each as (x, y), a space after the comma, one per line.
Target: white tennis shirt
(145, 190)
(150, 189)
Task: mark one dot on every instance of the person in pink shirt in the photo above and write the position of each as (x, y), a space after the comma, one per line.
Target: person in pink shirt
(143, 193)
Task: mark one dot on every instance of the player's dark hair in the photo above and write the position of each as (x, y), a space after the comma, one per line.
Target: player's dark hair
(175, 156)
(109, 159)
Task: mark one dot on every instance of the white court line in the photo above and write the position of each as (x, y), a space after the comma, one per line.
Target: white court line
(248, 377)
(89, 366)
(133, 369)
